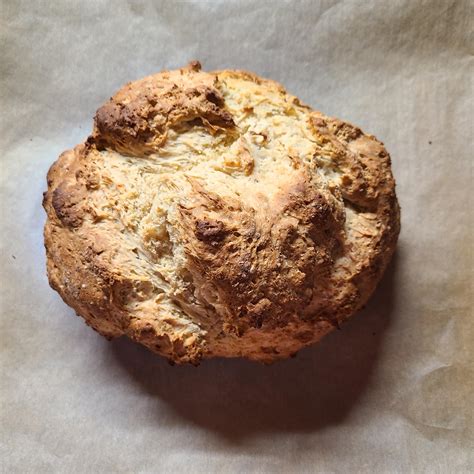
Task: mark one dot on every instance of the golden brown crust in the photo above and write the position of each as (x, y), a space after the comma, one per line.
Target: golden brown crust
(212, 214)
(136, 120)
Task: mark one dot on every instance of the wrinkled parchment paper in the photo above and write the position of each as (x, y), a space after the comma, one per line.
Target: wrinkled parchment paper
(391, 392)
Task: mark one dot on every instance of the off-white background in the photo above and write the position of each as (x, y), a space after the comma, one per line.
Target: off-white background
(391, 392)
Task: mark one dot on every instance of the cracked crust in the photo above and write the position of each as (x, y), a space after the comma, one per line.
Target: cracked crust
(213, 214)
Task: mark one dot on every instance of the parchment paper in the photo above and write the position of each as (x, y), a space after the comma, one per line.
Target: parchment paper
(391, 392)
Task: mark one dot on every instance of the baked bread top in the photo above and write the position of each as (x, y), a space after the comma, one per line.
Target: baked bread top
(214, 214)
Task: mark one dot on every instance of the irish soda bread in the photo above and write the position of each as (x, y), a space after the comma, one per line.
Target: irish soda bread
(214, 214)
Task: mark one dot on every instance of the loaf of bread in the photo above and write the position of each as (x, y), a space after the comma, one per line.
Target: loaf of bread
(214, 214)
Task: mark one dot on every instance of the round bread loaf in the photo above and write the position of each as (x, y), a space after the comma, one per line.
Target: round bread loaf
(214, 214)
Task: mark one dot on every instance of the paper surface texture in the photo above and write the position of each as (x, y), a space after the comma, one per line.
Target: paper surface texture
(393, 391)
